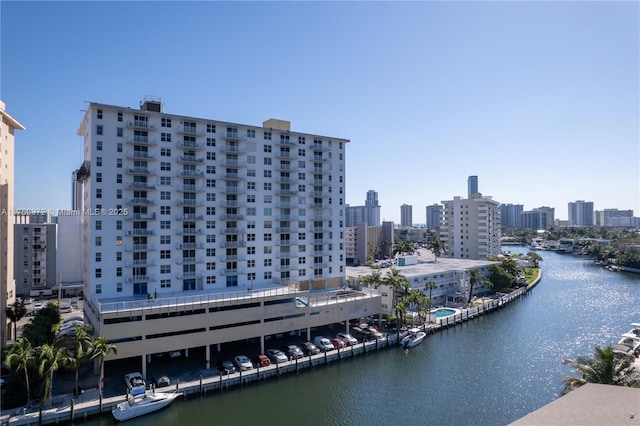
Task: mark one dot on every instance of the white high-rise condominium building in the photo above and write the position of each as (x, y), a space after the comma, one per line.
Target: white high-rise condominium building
(581, 213)
(8, 126)
(181, 204)
(230, 222)
(471, 228)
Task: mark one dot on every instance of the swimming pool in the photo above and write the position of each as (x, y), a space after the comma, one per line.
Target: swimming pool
(442, 312)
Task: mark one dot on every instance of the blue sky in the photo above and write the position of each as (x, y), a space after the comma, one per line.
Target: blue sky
(540, 100)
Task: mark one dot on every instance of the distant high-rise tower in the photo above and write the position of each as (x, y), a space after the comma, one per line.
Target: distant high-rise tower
(406, 215)
(472, 186)
(435, 216)
(581, 213)
(372, 208)
(8, 126)
(511, 215)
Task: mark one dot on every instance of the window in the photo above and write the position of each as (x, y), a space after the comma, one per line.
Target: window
(119, 147)
(165, 224)
(119, 132)
(267, 186)
(267, 237)
(267, 136)
(165, 269)
(301, 176)
(165, 209)
(267, 161)
(165, 283)
(251, 198)
(211, 211)
(211, 183)
(251, 250)
(165, 137)
(251, 224)
(119, 116)
(301, 188)
(251, 263)
(251, 186)
(119, 256)
(267, 173)
(165, 165)
(301, 152)
(119, 194)
(301, 140)
(99, 114)
(211, 252)
(165, 239)
(165, 195)
(251, 133)
(267, 211)
(267, 275)
(211, 238)
(211, 224)
(211, 128)
(118, 178)
(98, 288)
(251, 159)
(211, 155)
(98, 177)
(98, 193)
(211, 266)
(98, 257)
(98, 273)
(98, 241)
(211, 142)
(211, 279)
(266, 249)
(119, 271)
(165, 122)
(251, 237)
(211, 196)
(98, 161)
(99, 129)
(119, 163)
(267, 262)
(211, 170)
(165, 180)
(251, 211)
(98, 145)
(267, 148)
(165, 254)
(165, 152)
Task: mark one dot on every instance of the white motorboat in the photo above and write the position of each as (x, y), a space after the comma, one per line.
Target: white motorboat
(629, 344)
(143, 404)
(414, 337)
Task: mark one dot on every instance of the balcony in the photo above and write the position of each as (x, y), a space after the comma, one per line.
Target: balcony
(232, 231)
(285, 142)
(320, 148)
(141, 185)
(191, 174)
(141, 140)
(286, 192)
(234, 162)
(189, 246)
(289, 242)
(231, 149)
(141, 216)
(287, 167)
(190, 188)
(319, 206)
(189, 231)
(232, 217)
(143, 171)
(233, 244)
(188, 130)
(320, 158)
(285, 268)
(190, 217)
(190, 159)
(139, 278)
(139, 263)
(140, 125)
(287, 205)
(234, 258)
(232, 271)
(191, 145)
(190, 203)
(235, 176)
(139, 247)
(139, 201)
(286, 154)
(232, 190)
(189, 275)
(231, 203)
(284, 180)
(189, 260)
(283, 216)
(233, 136)
(321, 182)
(320, 264)
(139, 231)
(140, 155)
(287, 254)
(287, 230)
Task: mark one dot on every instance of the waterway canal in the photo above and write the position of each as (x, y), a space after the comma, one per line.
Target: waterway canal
(488, 371)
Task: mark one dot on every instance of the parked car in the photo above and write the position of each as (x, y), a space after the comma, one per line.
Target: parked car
(292, 351)
(309, 348)
(348, 338)
(276, 356)
(261, 361)
(243, 363)
(66, 309)
(161, 381)
(323, 343)
(226, 367)
(135, 383)
(338, 343)
(28, 300)
(37, 306)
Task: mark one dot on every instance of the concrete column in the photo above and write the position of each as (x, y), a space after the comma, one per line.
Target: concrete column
(144, 365)
(207, 356)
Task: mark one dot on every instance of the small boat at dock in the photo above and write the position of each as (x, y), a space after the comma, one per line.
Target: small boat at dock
(414, 337)
(143, 404)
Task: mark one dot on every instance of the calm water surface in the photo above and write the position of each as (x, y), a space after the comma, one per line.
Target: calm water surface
(490, 371)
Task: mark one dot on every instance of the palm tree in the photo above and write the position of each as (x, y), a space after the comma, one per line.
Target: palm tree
(50, 358)
(605, 367)
(374, 279)
(431, 285)
(22, 355)
(437, 247)
(474, 278)
(82, 339)
(15, 312)
(100, 349)
(420, 302)
(400, 286)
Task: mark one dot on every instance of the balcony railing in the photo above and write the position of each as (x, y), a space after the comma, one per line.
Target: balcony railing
(141, 185)
(190, 217)
(189, 260)
(189, 231)
(141, 216)
(139, 247)
(142, 155)
(140, 232)
(232, 217)
(140, 201)
(140, 140)
(233, 244)
(191, 173)
(140, 171)
(139, 263)
(189, 246)
(191, 145)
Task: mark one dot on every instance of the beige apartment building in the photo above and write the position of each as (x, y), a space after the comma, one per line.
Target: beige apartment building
(8, 126)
